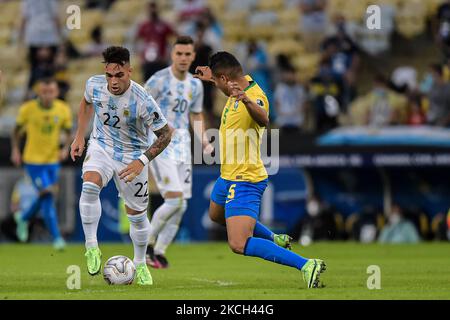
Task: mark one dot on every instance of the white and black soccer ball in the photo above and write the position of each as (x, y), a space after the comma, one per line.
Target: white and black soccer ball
(119, 270)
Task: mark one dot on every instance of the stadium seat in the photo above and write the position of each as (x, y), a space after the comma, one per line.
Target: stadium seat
(269, 5)
(129, 7)
(410, 18)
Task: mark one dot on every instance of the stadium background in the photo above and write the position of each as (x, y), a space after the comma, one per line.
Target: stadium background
(358, 170)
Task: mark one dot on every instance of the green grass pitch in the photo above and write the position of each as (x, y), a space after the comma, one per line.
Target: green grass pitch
(211, 271)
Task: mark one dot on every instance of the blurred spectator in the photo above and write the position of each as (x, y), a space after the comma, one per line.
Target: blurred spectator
(364, 226)
(381, 106)
(404, 79)
(152, 40)
(61, 73)
(290, 102)
(40, 27)
(440, 226)
(321, 222)
(416, 113)
(443, 32)
(439, 97)
(345, 59)
(398, 229)
(325, 92)
(96, 46)
(314, 22)
(188, 12)
(374, 41)
(212, 31)
(203, 52)
(43, 67)
(256, 63)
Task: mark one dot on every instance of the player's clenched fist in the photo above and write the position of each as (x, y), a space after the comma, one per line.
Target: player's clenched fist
(77, 148)
(131, 171)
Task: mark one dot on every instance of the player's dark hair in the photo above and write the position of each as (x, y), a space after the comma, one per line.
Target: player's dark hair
(183, 40)
(119, 55)
(224, 63)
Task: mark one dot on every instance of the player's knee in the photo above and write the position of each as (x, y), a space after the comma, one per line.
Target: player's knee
(236, 245)
(173, 195)
(173, 205)
(90, 193)
(213, 216)
(93, 177)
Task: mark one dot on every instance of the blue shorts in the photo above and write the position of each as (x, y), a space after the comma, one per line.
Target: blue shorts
(43, 176)
(239, 198)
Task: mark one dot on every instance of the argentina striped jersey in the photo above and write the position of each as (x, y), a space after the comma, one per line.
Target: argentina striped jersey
(121, 123)
(176, 99)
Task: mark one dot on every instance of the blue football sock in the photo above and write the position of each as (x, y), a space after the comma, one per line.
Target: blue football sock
(261, 231)
(257, 247)
(49, 213)
(31, 211)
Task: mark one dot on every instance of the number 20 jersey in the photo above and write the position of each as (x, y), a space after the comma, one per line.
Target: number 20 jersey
(176, 99)
(122, 122)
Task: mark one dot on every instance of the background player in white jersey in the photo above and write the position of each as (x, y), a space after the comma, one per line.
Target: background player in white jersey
(118, 149)
(180, 97)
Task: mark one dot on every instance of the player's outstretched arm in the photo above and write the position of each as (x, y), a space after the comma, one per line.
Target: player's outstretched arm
(164, 135)
(84, 117)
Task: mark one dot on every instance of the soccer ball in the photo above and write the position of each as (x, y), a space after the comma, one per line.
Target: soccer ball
(119, 270)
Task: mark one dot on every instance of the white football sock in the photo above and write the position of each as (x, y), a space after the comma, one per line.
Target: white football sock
(90, 211)
(170, 230)
(139, 232)
(161, 216)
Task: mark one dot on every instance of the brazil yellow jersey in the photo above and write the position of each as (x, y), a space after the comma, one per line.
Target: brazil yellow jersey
(43, 128)
(240, 138)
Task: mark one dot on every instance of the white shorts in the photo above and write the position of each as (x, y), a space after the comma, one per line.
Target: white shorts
(172, 176)
(134, 193)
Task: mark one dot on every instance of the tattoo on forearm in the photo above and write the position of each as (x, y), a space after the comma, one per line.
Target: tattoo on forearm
(164, 136)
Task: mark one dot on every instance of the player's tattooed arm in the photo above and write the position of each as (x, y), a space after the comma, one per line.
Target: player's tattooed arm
(164, 135)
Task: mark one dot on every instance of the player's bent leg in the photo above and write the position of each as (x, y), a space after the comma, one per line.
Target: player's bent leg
(173, 201)
(239, 229)
(90, 212)
(50, 217)
(139, 232)
(217, 213)
(167, 235)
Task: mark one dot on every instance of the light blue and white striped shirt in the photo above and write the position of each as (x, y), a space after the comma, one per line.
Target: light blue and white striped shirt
(121, 123)
(176, 99)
